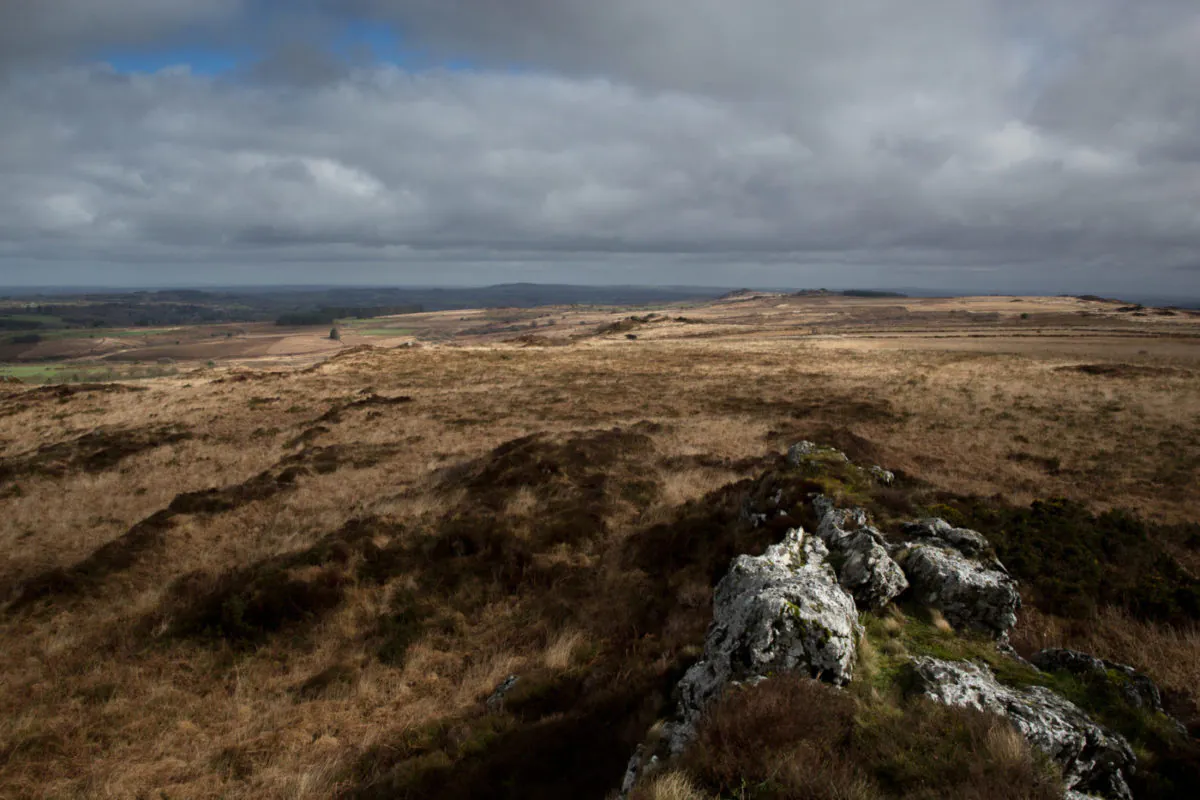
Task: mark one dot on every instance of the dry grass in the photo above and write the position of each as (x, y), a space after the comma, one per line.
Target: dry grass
(1170, 654)
(600, 566)
(670, 785)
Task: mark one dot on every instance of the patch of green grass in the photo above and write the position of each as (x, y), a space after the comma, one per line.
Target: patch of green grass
(42, 319)
(1168, 761)
(134, 332)
(380, 331)
(81, 373)
(899, 636)
(845, 483)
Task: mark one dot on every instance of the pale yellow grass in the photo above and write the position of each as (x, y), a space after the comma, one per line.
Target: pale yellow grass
(671, 785)
(1168, 654)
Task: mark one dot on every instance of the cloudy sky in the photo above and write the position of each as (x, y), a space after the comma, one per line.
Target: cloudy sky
(991, 145)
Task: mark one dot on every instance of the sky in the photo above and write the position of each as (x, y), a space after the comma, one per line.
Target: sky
(961, 145)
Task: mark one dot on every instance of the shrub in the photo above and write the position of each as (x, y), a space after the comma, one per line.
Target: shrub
(244, 606)
(791, 737)
(1073, 561)
(775, 736)
(27, 338)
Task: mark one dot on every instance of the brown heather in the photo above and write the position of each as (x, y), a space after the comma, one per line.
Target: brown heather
(394, 531)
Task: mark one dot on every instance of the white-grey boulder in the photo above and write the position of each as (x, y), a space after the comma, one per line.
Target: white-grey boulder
(964, 540)
(782, 611)
(881, 475)
(869, 573)
(969, 592)
(866, 570)
(1093, 760)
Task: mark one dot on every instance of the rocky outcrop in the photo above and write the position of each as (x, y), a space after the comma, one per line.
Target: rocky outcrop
(869, 573)
(1136, 689)
(949, 570)
(968, 542)
(866, 570)
(779, 612)
(801, 451)
(1093, 760)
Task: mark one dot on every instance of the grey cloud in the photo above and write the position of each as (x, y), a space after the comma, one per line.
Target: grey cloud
(39, 30)
(298, 64)
(866, 137)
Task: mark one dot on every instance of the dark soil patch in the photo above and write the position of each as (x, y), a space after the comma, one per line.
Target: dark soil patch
(1048, 464)
(335, 414)
(326, 682)
(833, 411)
(573, 751)
(115, 556)
(65, 391)
(15, 402)
(96, 451)
(244, 606)
(704, 461)
(577, 482)
(1125, 370)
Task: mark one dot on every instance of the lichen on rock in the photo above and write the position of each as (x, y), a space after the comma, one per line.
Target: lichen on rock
(1093, 760)
(801, 451)
(781, 611)
(949, 570)
(968, 542)
(1136, 689)
(866, 570)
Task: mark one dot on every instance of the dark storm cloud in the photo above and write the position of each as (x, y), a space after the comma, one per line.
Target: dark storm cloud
(39, 30)
(1024, 137)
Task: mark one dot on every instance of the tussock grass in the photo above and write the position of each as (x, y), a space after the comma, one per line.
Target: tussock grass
(340, 635)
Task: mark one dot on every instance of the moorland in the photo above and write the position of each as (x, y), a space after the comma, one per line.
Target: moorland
(244, 559)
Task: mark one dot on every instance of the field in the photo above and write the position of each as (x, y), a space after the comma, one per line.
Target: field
(301, 570)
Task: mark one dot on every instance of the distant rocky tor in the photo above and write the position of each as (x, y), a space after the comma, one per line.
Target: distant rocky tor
(796, 609)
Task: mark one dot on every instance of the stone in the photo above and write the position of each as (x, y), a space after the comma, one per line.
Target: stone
(835, 524)
(866, 570)
(869, 573)
(968, 592)
(758, 515)
(634, 769)
(881, 475)
(495, 702)
(798, 452)
(1093, 760)
(964, 540)
(782, 611)
(1137, 689)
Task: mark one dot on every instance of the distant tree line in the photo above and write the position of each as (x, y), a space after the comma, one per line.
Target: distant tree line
(330, 314)
(871, 293)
